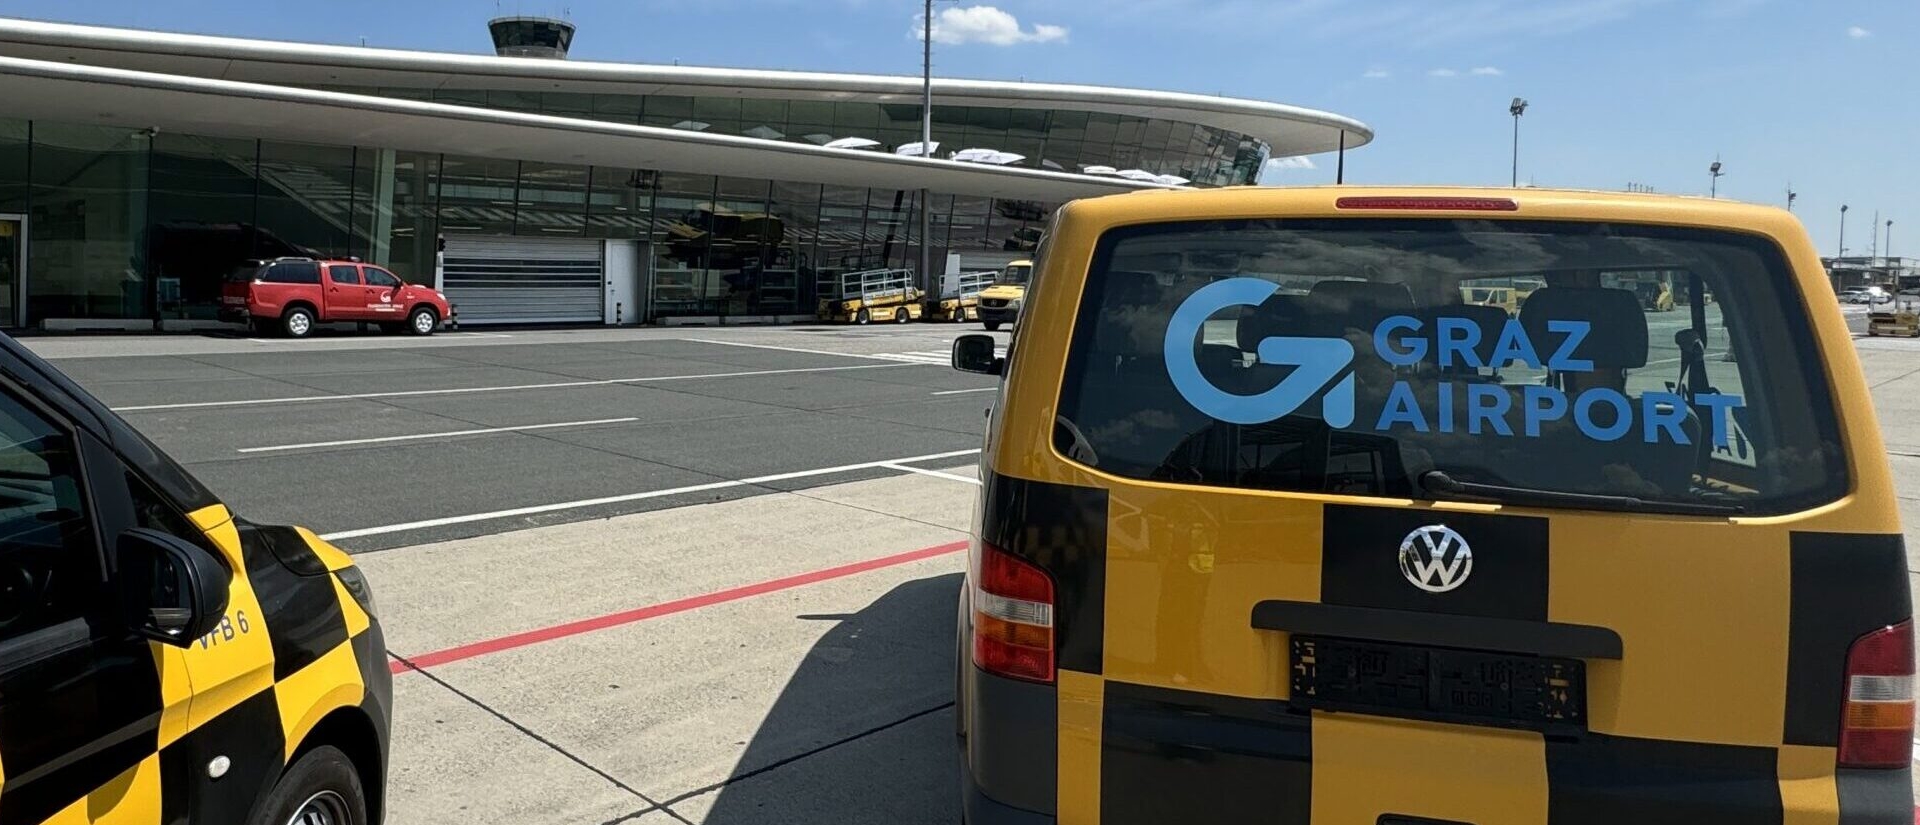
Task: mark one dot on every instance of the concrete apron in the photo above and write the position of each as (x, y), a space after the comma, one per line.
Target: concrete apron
(820, 687)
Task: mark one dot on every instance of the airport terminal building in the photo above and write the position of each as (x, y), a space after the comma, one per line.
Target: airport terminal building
(137, 168)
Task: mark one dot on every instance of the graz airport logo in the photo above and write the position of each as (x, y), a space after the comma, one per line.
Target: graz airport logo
(1436, 558)
(1322, 368)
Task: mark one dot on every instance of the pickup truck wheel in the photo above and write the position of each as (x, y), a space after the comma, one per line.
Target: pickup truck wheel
(423, 321)
(297, 322)
(321, 788)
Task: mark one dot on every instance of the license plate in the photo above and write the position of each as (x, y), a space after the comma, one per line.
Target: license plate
(1443, 684)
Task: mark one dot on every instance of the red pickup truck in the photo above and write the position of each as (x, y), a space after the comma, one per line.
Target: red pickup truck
(291, 295)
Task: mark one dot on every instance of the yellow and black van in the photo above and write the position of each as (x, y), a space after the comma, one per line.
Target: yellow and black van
(1000, 302)
(162, 661)
(1313, 540)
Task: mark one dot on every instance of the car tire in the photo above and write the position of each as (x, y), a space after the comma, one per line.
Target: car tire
(297, 322)
(422, 321)
(991, 325)
(861, 317)
(323, 785)
(901, 316)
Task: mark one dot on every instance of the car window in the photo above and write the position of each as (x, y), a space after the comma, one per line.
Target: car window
(294, 272)
(1338, 356)
(344, 273)
(50, 567)
(381, 277)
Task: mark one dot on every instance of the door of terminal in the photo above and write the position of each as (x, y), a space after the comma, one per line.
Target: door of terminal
(13, 268)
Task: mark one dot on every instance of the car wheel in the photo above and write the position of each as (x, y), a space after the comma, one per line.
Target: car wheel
(901, 316)
(297, 322)
(991, 325)
(860, 317)
(423, 321)
(321, 788)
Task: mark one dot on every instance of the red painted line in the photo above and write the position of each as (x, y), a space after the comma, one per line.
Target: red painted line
(654, 611)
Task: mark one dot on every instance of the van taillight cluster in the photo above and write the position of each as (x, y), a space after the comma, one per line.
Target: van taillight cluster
(1012, 617)
(1876, 729)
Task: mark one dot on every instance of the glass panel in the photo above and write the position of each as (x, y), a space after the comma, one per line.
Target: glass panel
(764, 119)
(843, 211)
(306, 196)
(622, 199)
(968, 227)
(513, 101)
(380, 277)
(201, 220)
(666, 110)
(1573, 394)
(475, 195)
(48, 547)
(13, 165)
(721, 114)
(343, 274)
(742, 243)
(411, 242)
(796, 208)
(886, 235)
(461, 97)
(371, 218)
(89, 212)
(1071, 126)
(566, 103)
(617, 108)
(683, 284)
(552, 199)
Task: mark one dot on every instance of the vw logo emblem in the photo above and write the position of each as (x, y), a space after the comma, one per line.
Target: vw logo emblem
(1435, 558)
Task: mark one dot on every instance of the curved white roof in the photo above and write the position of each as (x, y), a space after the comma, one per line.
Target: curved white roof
(1290, 130)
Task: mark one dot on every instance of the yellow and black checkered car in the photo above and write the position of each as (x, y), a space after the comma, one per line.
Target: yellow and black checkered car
(160, 660)
(1276, 527)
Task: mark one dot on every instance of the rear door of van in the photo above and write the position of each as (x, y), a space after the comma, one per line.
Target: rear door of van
(1329, 544)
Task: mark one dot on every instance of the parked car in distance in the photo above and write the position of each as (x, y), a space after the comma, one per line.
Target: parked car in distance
(290, 296)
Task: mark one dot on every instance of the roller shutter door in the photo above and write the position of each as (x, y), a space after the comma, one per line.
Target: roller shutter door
(524, 280)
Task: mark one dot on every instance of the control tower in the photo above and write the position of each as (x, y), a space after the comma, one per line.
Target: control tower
(531, 36)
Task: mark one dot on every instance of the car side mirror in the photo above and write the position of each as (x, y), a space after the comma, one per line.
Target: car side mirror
(172, 590)
(974, 353)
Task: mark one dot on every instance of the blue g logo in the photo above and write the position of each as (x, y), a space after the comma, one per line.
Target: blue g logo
(1318, 361)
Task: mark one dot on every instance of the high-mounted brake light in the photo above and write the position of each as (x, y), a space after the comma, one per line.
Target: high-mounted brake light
(1012, 617)
(1876, 729)
(1429, 203)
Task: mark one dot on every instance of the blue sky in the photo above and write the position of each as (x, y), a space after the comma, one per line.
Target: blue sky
(1642, 91)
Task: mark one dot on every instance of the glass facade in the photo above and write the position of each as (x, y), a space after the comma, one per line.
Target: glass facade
(123, 223)
(1042, 138)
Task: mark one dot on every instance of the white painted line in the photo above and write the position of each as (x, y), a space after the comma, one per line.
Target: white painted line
(975, 389)
(788, 349)
(621, 499)
(421, 436)
(934, 473)
(295, 399)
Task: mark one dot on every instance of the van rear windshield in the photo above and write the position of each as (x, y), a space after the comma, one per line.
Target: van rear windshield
(1529, 362)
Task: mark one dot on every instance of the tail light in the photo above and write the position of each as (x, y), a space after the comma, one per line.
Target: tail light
(1012, 617)
(1877, 726)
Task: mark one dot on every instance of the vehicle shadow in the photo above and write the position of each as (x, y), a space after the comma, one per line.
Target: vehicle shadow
(863, 732)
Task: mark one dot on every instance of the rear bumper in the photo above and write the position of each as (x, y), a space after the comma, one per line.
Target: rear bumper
(1004, 316)
(1875, 797)
(976, 808)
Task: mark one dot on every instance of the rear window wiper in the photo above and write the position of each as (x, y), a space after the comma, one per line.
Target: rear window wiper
(1439, 482)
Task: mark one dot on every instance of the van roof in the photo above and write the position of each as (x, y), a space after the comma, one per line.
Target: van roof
(1528, 203)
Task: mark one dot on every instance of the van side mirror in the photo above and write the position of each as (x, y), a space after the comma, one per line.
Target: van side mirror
(171, 590)
(974, 353)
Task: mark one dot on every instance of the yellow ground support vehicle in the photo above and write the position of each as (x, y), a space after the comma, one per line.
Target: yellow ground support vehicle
(161, 659)
(1901, 319)
(1505, 297)
(871, 296)
(1312, 540)
(961, 299)
(1000, 303)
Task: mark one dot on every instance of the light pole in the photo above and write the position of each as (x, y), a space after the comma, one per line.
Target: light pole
(1713, 176)
(926, 151)
(1517, 108)
(1888, 252)
(1790, 196)
(1843, 231)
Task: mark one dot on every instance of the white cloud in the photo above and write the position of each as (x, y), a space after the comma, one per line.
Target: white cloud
(1442, 73)
(1377, 74)
(1486, 71)
(985, 24)
(1859, 33)
(1278, 164)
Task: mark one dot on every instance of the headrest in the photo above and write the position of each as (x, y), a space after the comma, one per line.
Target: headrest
(1619, 335)
(1490, 320)
(1279, 315)
(1333, 307)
